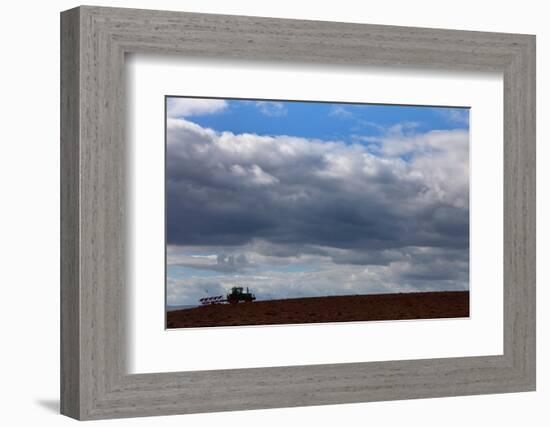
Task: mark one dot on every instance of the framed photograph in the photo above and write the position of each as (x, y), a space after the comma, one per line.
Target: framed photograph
(289, 212)
(261, 213)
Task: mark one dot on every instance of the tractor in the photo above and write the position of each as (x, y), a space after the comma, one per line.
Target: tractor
(237, 295)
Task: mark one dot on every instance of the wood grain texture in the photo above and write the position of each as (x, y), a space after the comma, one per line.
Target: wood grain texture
(94, 382)
(70, 220)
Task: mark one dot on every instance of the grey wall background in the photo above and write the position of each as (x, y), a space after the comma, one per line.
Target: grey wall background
(29, 176)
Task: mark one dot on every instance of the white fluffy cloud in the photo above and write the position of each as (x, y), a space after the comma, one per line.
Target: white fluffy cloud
(187, 107)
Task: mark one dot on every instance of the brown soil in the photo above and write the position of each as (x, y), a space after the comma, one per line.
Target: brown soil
(421, 305)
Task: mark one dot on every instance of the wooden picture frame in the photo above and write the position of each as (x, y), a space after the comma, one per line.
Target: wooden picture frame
(94, 382)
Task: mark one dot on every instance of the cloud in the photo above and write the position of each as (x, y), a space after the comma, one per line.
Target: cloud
(220, 262)
(286, 189)
(339, 111)
(457, 116)
(253, 175)
(317, 216)
(271, 109)
(420, 273)
(187, 107)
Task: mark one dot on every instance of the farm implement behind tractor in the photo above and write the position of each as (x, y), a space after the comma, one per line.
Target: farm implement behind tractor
(236, 295)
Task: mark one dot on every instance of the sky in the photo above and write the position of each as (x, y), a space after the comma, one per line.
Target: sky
(303, 199)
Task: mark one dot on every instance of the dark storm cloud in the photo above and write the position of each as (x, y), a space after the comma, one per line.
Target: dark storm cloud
(225, 189)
